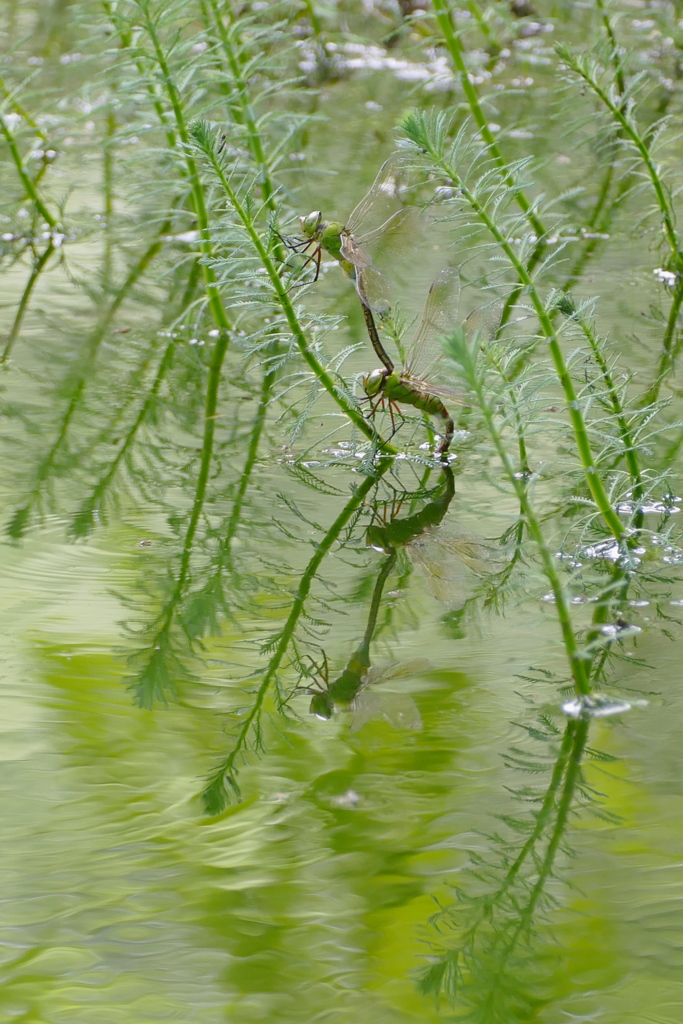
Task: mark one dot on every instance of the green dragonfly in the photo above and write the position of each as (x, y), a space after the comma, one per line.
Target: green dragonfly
(387, 535)
(416, 383)
(353, 691)
(436, 551)
(351, 243)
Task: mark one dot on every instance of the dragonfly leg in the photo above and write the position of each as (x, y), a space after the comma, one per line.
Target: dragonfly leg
(295, 244)
(393, 406)
(292, 244)
(317, 256)
(320, 672)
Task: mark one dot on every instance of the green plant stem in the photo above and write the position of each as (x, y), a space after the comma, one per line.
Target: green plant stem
(284, 300)
(108, 192)
(630, 450)
(38, 267)
(127, 44)
(21, 516)
(544, 814)
(616, 60)
(630, 131)
(576, 658)
(215, 792)
(454, 45)
(249, 118)
(94, 503)
(23, 113)
(27, 182)
(267, 385)
(671, 346)
(593, 480)
(146, 697)
(578, 731)
(213, 295)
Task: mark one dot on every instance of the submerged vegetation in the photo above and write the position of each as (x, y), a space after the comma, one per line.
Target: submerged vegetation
(184, 362)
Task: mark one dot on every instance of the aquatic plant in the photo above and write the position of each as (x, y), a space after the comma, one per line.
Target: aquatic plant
(178, 377)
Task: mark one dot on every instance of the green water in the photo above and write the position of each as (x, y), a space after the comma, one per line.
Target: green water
(182, 839)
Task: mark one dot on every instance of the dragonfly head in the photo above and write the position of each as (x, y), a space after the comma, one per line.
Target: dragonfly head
(378, 539)
(322, 706)
(373, 383)
(311, 223)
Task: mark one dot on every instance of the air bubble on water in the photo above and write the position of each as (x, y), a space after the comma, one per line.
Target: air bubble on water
(613, 630)
(598, 706)
(346, 800)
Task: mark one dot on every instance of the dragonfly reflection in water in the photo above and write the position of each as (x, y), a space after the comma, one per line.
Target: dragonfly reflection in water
(355, 688)
(434, 551)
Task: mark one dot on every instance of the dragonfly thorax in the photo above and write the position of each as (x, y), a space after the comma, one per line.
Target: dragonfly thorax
(374, 382)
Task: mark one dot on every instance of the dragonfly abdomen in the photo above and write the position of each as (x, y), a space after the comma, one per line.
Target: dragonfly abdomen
(402, 389)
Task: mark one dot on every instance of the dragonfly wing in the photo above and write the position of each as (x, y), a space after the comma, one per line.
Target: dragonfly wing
(398, 709)
(353, 251)
(374, 290)
(396, 670)
(385, 197)
(365, 707)
(474, 552)
(401, 711)
(442, 578)
(396, 237)
(485, 321)
(439, 317)
(433, 386)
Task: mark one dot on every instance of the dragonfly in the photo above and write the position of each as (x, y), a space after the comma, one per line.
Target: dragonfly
(395, 533)
(436, 551)
(353, 689)
(415, 383)
(351, 243)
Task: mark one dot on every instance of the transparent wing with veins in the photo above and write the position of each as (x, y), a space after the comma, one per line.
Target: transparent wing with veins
(395, 235)
(385, 197)
(399, 709)
(440, 316)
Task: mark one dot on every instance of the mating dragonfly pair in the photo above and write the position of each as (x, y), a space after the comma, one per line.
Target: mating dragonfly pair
(418, 536)
(415, 382)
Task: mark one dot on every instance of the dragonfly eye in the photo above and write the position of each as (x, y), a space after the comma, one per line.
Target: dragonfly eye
(322, 706)
(311, 223)
(372, 384)
(376, 539)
